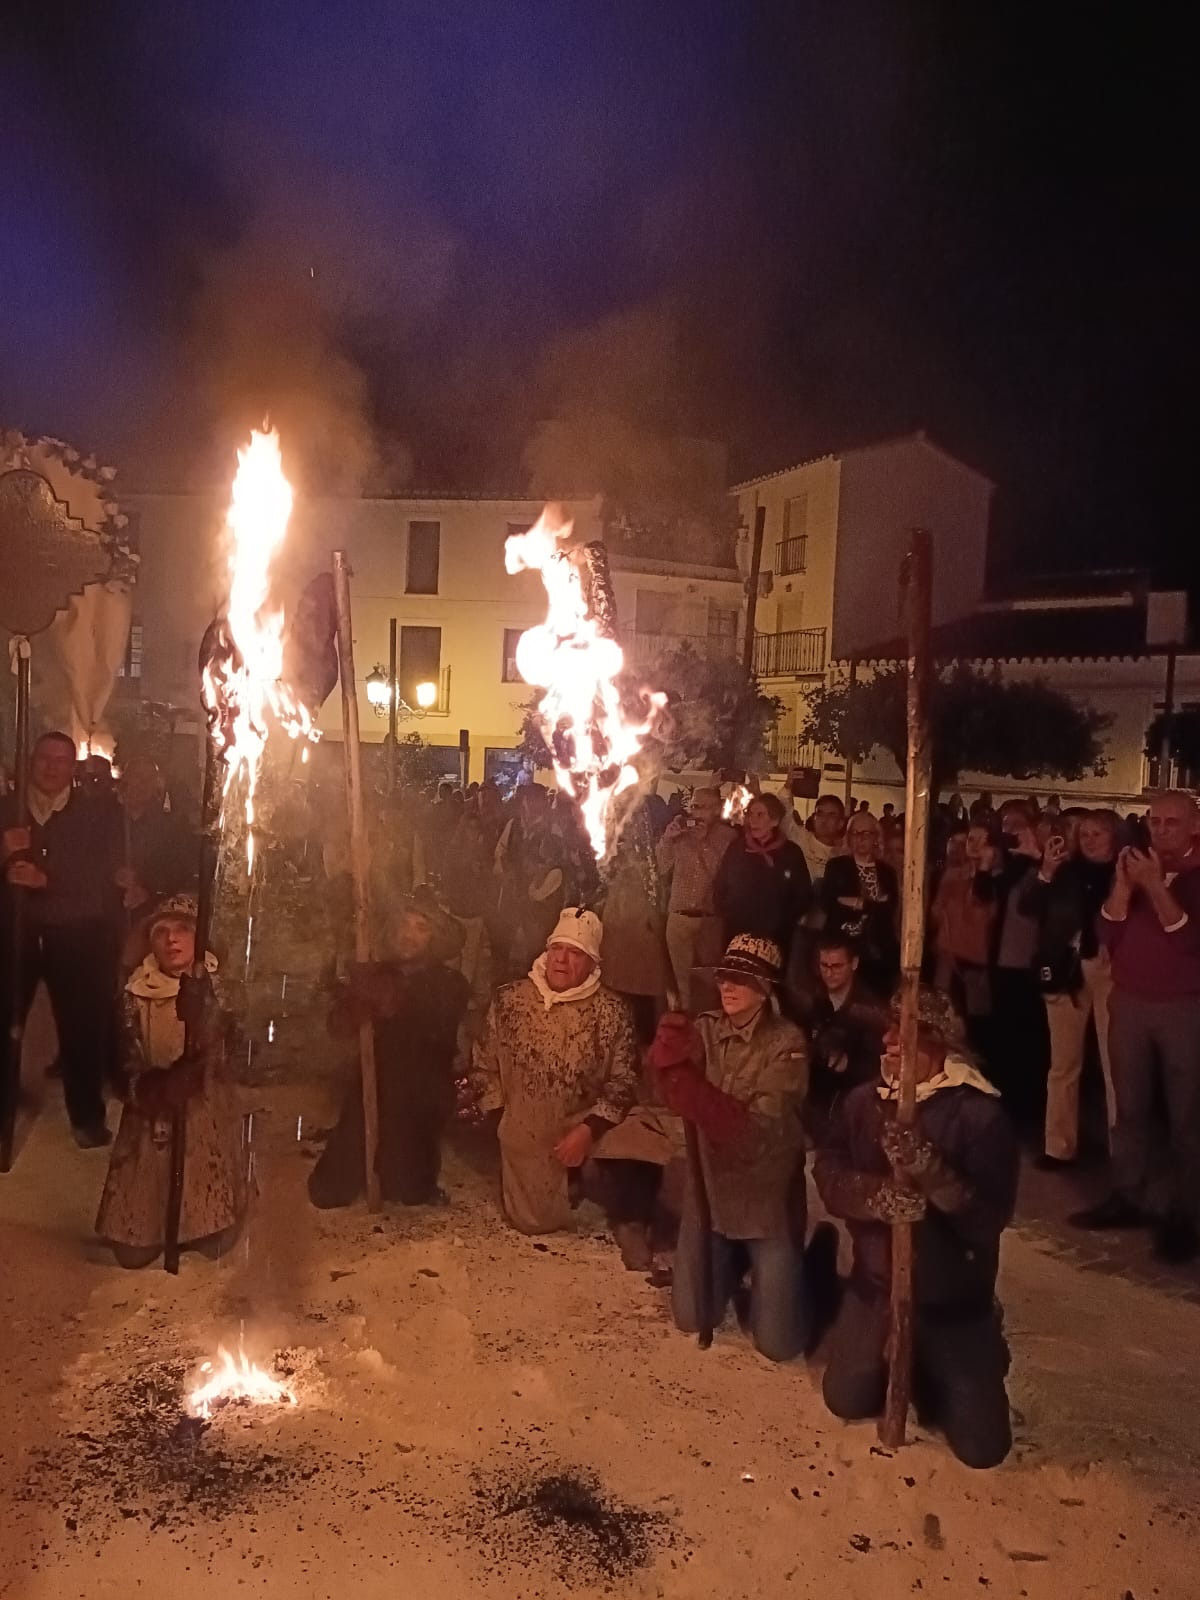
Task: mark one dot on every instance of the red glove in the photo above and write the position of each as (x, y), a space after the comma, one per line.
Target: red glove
(676, 1042)
(720, 1117)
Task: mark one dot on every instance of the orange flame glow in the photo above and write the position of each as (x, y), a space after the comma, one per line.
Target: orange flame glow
(591, 740)
(236, 1378)
(250, 686)
(734, 809)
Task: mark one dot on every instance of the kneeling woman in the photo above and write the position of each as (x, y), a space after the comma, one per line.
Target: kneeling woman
(158, 1085)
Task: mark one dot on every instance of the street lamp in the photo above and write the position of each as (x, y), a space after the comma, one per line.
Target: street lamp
(381, 693)
(426, 695)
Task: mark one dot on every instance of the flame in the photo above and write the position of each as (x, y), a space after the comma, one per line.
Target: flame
(236, 1378)
(96, 744)
(734, 809)
(247, 685)
(591, 740)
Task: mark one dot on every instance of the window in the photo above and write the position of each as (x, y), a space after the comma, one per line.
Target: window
(722, 621)
(509, 672)
(652, 610)
(131, 666)
(420, 661)
(424, 545)
(795, 517)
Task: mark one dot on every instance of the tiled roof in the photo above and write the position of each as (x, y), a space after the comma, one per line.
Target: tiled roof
(1067, 634)
(919, 437)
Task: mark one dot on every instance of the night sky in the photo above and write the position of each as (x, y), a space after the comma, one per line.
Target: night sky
(415, 229)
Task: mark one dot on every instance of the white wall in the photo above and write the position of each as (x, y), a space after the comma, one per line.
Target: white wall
(885, 491)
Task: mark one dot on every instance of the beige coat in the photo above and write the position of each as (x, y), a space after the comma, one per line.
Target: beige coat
(133, 1207)
(547, 1069)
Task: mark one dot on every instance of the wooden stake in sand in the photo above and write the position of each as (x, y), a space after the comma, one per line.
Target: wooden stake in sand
(916, 585)
(360, 862)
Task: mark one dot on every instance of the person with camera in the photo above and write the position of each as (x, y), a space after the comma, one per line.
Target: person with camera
(690, 851)
(1066, 894)
(1150, 924)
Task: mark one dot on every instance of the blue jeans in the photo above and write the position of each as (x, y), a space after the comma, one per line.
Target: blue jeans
(778, 1313)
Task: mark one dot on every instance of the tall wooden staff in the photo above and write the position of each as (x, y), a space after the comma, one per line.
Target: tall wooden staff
(195, 1034)
(916, 585)
(16, 995)
(360, 864)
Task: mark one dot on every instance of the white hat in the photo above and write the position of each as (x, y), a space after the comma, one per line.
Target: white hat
(582, 930)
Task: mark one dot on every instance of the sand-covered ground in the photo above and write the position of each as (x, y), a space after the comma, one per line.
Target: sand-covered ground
(481, 1414)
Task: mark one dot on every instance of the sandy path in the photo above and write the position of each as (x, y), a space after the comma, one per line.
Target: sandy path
(445, 1366)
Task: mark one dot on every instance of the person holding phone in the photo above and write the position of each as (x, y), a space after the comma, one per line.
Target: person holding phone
(1065, 895)
(1150, 924)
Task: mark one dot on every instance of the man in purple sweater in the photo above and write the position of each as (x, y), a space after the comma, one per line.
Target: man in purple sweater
(1151, 926)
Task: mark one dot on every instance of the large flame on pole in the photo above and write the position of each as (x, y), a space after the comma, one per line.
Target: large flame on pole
(242, 685)
(591, 739)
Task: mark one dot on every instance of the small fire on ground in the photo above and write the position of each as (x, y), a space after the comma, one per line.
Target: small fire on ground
(235, 1378)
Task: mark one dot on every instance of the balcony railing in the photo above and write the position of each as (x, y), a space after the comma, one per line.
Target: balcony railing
(786, 751)
(800, 654)
(643, 648)
(791, 555)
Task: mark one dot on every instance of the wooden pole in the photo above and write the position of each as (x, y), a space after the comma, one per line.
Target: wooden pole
(916, 585)
(195, 1035)
(393, 707)
(360, 866)
(848, 792)
(760, 523)
(1164, 753)
(14, 1043)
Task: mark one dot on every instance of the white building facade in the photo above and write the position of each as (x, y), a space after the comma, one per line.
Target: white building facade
(434, 563)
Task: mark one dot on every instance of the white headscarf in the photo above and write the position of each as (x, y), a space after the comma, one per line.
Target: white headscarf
(558, 997)
(956, 1073)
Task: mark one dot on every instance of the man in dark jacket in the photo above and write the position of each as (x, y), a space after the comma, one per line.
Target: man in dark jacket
(846, 1022)
(416, 1003)
(61, 860)
(954, 1175)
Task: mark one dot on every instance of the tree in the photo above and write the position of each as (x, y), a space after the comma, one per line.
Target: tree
(1182, 732)
(981, 723)
(716, 716)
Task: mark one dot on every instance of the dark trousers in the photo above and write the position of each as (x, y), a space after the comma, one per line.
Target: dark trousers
(960, 1367)
(1150, 1040)
(410, 1151)
(1016, 1044)
(78, 965)
(627, 1190)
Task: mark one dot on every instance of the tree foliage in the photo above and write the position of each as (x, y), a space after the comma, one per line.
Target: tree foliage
(1182, 732)
(716, 715)
(981, 722)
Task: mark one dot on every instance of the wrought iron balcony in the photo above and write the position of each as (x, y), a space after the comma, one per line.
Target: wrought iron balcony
(798, 654)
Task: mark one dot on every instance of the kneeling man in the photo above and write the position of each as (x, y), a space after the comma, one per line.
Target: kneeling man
(954, 1175)
(559, 1062)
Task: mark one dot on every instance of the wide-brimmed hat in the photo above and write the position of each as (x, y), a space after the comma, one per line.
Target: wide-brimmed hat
(580, 929)
(749, 956)
(175, 908)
